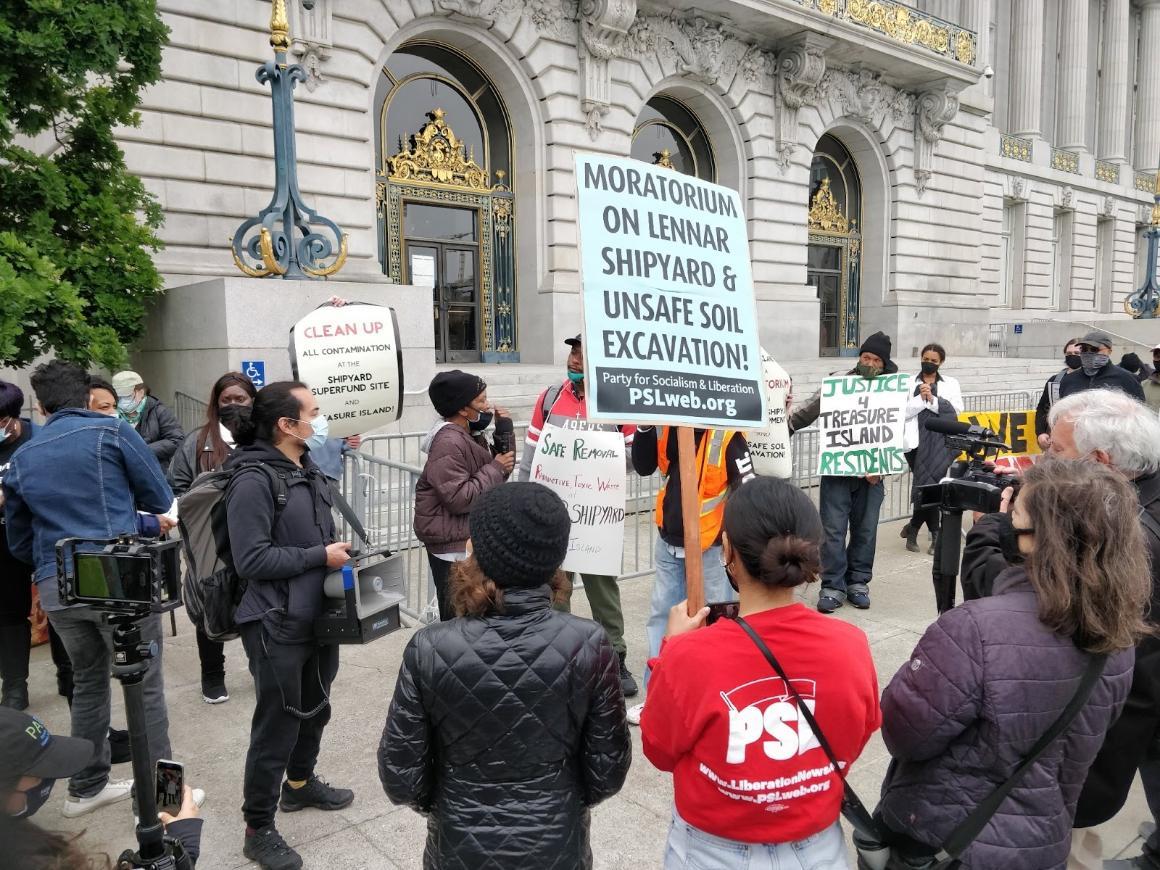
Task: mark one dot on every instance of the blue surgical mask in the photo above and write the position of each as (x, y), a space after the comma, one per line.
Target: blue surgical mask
(35, 798)
(575, 377)
(321, 427)
(129, 405)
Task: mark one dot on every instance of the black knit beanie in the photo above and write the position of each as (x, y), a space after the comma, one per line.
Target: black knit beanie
(879, 345)
(452, 391)
(519, 534)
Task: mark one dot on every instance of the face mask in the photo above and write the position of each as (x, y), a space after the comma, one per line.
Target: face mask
(1072, 361)
(929, 368)
(1009, 540)
(866, 371)
(1093, 362)
(479, 423)
(9, 431)
(575, 377)
(35, 798)
(129, 405)
(321, 427)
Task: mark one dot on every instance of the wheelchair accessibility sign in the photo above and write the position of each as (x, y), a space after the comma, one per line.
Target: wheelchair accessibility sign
(255, 370)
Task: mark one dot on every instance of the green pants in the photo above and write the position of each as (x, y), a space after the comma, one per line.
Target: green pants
(604, 599)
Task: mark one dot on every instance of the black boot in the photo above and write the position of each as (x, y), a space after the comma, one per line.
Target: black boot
(912, 539)
(15, 643)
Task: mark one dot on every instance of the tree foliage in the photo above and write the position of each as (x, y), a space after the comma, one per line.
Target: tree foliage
(76, 229)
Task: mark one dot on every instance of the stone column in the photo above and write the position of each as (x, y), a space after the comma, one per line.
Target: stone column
(1113, 134)
(1071, 88)
(1148, 91)
(1026, 86)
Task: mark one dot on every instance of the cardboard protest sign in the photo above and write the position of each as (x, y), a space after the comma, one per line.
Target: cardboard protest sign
(862, 422)
(670, 325)
(769, 447)
(1014, 428)
(352, 360)
(586, 469)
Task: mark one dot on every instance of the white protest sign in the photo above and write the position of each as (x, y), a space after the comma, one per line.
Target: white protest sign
(862, 422)
(670, 325)
(769, 447)
(351, 359)
(586, 469)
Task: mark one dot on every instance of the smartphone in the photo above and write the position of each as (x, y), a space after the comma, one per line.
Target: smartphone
(723, 610)
(170, 786)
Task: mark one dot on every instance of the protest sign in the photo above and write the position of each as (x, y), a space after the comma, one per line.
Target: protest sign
(352, 360)
(670, 325)
(769, 447)
(586, 468)
(1014, 428)
(862, 422)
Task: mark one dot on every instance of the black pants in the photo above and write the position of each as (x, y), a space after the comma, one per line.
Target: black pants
(212, 654)
(16, 630)
(441, 574)
(927, 515)
(281, 743)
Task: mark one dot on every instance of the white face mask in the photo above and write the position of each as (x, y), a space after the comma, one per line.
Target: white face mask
(321, 427)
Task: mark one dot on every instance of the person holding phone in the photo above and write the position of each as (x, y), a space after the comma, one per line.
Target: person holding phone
(726, 725)
(284, 558)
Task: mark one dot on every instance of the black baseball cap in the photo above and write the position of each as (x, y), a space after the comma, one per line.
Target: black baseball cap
(28, 748)
(576, 341)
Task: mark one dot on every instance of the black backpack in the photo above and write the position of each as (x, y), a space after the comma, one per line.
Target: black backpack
(213, 590)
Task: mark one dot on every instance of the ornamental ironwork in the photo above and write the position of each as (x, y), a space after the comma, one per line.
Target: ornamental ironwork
(1147, 183)
(825, 216)
(437, 156)
(1015, 148)
(1065, 161)
(1142, 303)
(1109, 172)
(267, 245)
(903, 24)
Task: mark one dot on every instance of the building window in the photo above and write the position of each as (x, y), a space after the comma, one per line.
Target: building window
(668, 134)
(1105, 264)
(1061, 228)
(1007, 256)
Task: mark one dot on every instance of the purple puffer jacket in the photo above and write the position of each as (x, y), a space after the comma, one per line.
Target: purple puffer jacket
(459, 469)
(984, 683)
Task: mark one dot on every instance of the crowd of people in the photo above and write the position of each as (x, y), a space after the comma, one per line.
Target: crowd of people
(509, 719)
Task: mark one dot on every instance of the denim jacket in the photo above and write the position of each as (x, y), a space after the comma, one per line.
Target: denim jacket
(84, 476)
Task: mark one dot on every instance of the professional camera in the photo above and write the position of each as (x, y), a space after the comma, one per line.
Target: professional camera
(969, 485)
(126, 574)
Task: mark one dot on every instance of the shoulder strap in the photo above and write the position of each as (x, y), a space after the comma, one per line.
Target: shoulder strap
(852, 807)
(278, 486)
(1150, 523)
(347, 512)
(550, 396)
(961, 837)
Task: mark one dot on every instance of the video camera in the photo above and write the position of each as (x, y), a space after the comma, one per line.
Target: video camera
(969, 485)
(120, 575)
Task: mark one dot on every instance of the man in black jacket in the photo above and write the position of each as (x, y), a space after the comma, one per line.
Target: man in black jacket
(1097, 371)
(1108, 427)
(1071, 363)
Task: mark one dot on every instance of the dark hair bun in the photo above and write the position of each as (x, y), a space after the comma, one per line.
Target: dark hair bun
(789, 561)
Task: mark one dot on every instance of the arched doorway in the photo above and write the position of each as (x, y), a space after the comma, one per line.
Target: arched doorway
(668, 134)
(835, 245)
(446, 208)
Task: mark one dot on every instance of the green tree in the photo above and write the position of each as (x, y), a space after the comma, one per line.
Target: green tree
(76, 229)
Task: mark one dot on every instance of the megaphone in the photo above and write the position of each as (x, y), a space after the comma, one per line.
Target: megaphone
(362, 599)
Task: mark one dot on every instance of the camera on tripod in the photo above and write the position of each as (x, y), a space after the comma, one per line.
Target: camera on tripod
(969, 485)
(126, 574)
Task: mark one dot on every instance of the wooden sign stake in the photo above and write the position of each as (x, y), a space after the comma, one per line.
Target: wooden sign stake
(691, 514)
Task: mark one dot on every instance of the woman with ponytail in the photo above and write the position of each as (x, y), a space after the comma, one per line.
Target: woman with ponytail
(752, 785)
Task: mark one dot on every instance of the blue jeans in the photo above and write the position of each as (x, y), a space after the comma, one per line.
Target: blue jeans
(849, 503)
(669, 590)
(89, 642)
(692, 848)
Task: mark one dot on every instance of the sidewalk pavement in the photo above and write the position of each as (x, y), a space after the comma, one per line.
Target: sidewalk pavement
(628, 830)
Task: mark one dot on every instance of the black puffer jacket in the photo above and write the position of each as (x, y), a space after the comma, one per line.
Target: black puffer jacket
(505, 729)
(158, 427)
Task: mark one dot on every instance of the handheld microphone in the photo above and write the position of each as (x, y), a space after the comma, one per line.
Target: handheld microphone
(504, 432)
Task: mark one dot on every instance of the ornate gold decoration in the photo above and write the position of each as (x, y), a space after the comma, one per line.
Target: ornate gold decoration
(904, 24)
(266, 248)
(279, 26)
(437, 156)
(1015, 148)
(1109, 172)
(829, 7)
(1064, 161)
(1145, 182)
(664, 159)
(339, 262)
(965, 47)
(825, 216)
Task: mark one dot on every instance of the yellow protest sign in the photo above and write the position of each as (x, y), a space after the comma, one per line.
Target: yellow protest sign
(1016, 428)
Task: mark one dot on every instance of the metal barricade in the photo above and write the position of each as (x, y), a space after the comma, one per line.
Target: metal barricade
(190, 411)
(1012, 400)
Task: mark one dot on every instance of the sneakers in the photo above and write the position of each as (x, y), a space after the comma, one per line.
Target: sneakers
(633, 714)
(114, 791)
(267, 848)
(214, 691)
(828, 603)
(859, 596)
(316, 794)
(627, 682)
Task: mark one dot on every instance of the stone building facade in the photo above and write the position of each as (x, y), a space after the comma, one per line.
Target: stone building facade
(890, 184)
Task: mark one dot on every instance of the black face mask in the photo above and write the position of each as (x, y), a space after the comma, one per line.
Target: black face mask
(481, 424)
(929, 368)
(1072, 361)
(35, 798)
(1009, 540)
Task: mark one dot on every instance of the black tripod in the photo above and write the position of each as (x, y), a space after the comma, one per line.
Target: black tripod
(945, 570)
(130, 662)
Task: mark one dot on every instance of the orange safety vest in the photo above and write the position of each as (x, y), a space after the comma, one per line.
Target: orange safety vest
(713, 480)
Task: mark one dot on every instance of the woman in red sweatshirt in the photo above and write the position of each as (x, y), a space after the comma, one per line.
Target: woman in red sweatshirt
(751, 781)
